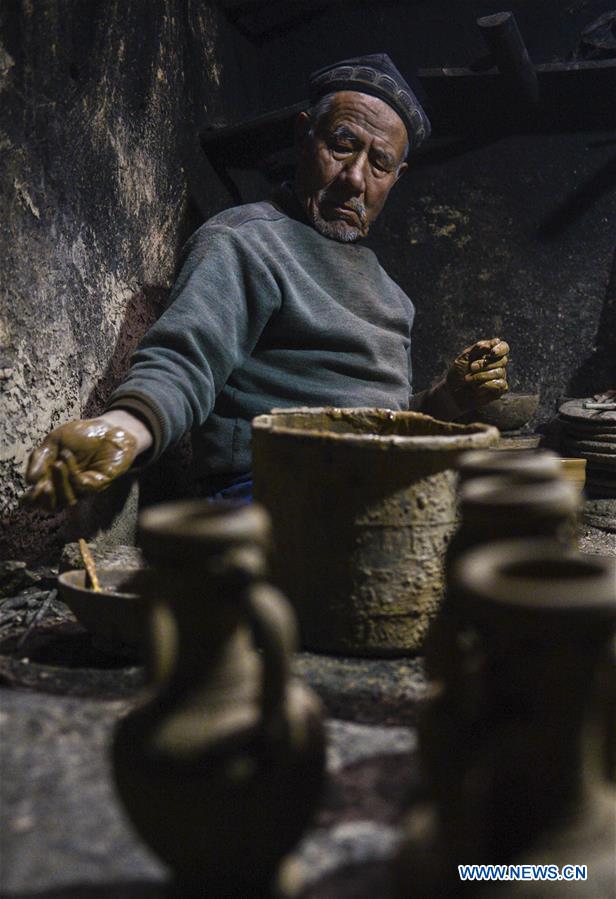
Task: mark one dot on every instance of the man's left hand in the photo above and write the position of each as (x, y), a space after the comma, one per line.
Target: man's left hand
(479, 374)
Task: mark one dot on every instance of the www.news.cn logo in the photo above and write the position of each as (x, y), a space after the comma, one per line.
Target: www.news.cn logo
(522, 872)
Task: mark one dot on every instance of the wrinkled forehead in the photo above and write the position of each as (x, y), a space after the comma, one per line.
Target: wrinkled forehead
(367, 115)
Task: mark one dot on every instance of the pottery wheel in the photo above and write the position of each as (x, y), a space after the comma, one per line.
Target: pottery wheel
(575, 412)
(590, 446)
(591, 434)
(600, 461)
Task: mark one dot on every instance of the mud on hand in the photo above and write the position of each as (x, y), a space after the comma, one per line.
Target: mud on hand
(479, 374)
(76, 459)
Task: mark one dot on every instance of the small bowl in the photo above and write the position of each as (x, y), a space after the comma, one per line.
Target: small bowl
(509, 413)
(117, 615)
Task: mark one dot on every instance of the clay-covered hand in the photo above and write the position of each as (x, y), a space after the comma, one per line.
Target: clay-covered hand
(479, 374)
(78, 458)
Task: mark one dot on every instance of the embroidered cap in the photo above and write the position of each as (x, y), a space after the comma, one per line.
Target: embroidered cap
(376, 75)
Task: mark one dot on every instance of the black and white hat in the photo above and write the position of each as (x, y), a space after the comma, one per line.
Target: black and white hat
(376, 75)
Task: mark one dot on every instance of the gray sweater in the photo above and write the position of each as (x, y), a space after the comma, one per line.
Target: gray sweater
(267, 312)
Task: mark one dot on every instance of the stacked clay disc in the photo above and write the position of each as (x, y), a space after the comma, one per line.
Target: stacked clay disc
(590, 433)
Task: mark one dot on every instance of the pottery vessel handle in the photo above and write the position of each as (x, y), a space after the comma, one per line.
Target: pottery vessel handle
(274, 630)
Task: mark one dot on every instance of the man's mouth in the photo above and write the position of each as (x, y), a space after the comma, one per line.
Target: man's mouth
(345, 212)
(342, 211)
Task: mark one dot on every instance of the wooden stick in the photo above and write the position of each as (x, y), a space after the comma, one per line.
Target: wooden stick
(503, 38)
(90, 567)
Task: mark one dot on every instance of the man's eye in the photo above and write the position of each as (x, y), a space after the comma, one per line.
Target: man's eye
(381, 168)
(340, 148)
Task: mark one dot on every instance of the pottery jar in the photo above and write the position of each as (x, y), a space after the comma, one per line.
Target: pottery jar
(523, 466)
(511, 743)
(533, 501)
(362, 504)
(499, 507)
(220, 771)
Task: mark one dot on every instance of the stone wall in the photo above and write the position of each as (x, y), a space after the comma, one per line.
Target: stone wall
(516, 237)
(101, 180)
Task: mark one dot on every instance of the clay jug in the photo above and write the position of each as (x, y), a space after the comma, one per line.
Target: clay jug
(500, 507)
(522, 467)
(512, 741)
(220, 771)
(531, 500)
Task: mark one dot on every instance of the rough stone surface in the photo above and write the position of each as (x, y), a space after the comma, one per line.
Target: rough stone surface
(598, 541)
(371, 691)
(63, 830)
(101, 179)
(118, 556)
(61, 823)
(63, 834)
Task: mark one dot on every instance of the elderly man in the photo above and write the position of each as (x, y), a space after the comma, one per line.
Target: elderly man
(278, 304)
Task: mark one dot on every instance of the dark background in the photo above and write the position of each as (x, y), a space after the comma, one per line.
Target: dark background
(494, 231)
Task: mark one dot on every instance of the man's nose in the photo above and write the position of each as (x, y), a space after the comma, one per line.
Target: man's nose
(354, 173)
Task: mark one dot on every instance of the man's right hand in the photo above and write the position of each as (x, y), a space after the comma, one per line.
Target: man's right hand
(84, 457)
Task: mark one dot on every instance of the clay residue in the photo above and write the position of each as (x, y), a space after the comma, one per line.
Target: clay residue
(368, 422)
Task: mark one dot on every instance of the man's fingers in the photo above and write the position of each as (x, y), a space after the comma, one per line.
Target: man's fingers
(40, 460)
(42, 494)
(93, 481)
(492, 374)
(494, 388)
(490, 391)
(65, 495)
(482, 366)
(501, 348)
(478, 350)
(75, 476)
(83, 481)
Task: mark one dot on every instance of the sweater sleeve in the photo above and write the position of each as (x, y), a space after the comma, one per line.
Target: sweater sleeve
(221, 302)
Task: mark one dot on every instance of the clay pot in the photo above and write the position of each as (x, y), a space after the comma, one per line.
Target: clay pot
(220, 771)
(521, 466)
(511, 743)
(531, 500)
(362, 504)
(509, 413)
(499, 507)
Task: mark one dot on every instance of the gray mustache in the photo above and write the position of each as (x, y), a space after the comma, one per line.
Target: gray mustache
(358, 207)
(353, 203)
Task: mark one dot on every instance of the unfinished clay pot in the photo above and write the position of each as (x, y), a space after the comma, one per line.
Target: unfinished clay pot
(531, 501)
(511, 741)
(362, 504)
(499, 507)
(523, 467)
(220, 771)
(508, 413)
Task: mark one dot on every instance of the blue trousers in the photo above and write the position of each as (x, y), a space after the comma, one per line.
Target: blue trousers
(238, 488)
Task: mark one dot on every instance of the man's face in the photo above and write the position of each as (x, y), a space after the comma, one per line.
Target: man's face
(349, 161)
